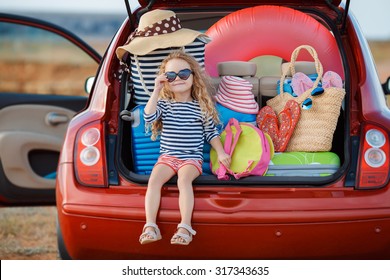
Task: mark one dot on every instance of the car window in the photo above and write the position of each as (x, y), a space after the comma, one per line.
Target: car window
(37, 61)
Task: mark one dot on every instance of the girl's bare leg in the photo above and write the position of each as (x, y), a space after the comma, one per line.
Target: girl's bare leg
(186, 175)
(161, 173)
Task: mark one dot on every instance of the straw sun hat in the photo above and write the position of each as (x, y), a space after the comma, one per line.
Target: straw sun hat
(236, 94)
(158, 29)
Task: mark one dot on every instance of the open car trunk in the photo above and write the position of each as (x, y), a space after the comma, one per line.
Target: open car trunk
(278, 34)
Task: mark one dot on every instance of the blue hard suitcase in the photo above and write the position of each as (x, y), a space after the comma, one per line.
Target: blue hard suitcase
(145, 151)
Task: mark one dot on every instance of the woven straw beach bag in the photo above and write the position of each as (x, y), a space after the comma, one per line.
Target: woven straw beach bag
(317, 123)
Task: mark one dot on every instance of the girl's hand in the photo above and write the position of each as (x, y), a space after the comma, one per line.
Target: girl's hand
(225, 159)
(151, 105)
(159, 82)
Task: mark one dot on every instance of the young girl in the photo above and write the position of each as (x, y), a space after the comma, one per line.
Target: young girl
(183, 110)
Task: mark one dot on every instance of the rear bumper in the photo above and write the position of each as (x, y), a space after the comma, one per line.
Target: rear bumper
(106, 224)
(91, 237)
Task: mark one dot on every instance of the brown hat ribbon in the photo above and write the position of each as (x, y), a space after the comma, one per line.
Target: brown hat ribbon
(165, 26)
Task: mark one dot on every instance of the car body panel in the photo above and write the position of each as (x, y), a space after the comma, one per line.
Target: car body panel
(374, 107)
(329, 216)
(262, 241)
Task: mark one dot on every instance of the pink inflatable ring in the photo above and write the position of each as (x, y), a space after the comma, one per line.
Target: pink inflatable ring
(269, 30)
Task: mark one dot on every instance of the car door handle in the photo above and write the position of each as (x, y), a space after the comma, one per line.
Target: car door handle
(56, 119)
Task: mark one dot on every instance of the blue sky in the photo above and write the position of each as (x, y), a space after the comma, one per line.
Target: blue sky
(372, 17)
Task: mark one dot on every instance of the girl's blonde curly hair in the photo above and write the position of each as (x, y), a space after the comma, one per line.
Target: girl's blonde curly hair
(200, 90)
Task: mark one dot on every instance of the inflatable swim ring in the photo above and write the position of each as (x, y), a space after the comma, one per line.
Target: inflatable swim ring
(269, 30)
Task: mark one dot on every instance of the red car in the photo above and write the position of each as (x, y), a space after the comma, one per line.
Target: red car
(341, 212)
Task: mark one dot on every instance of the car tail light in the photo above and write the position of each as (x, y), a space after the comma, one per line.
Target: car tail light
(90, 163)
(374, 157)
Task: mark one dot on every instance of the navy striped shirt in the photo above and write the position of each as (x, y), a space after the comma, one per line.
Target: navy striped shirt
(148, 66)
(184, 128)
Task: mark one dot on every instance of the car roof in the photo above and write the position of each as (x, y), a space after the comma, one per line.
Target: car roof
(230, 3)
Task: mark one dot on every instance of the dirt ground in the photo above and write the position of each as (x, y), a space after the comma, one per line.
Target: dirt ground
(29, 233)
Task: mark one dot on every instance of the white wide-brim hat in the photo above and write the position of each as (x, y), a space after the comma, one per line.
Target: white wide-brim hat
(159, 29)
(236, 94)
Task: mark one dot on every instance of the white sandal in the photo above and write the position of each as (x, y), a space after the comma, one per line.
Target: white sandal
(186, 237)
(145, 236)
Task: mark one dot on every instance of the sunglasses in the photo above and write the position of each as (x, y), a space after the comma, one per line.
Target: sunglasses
(183, 74)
